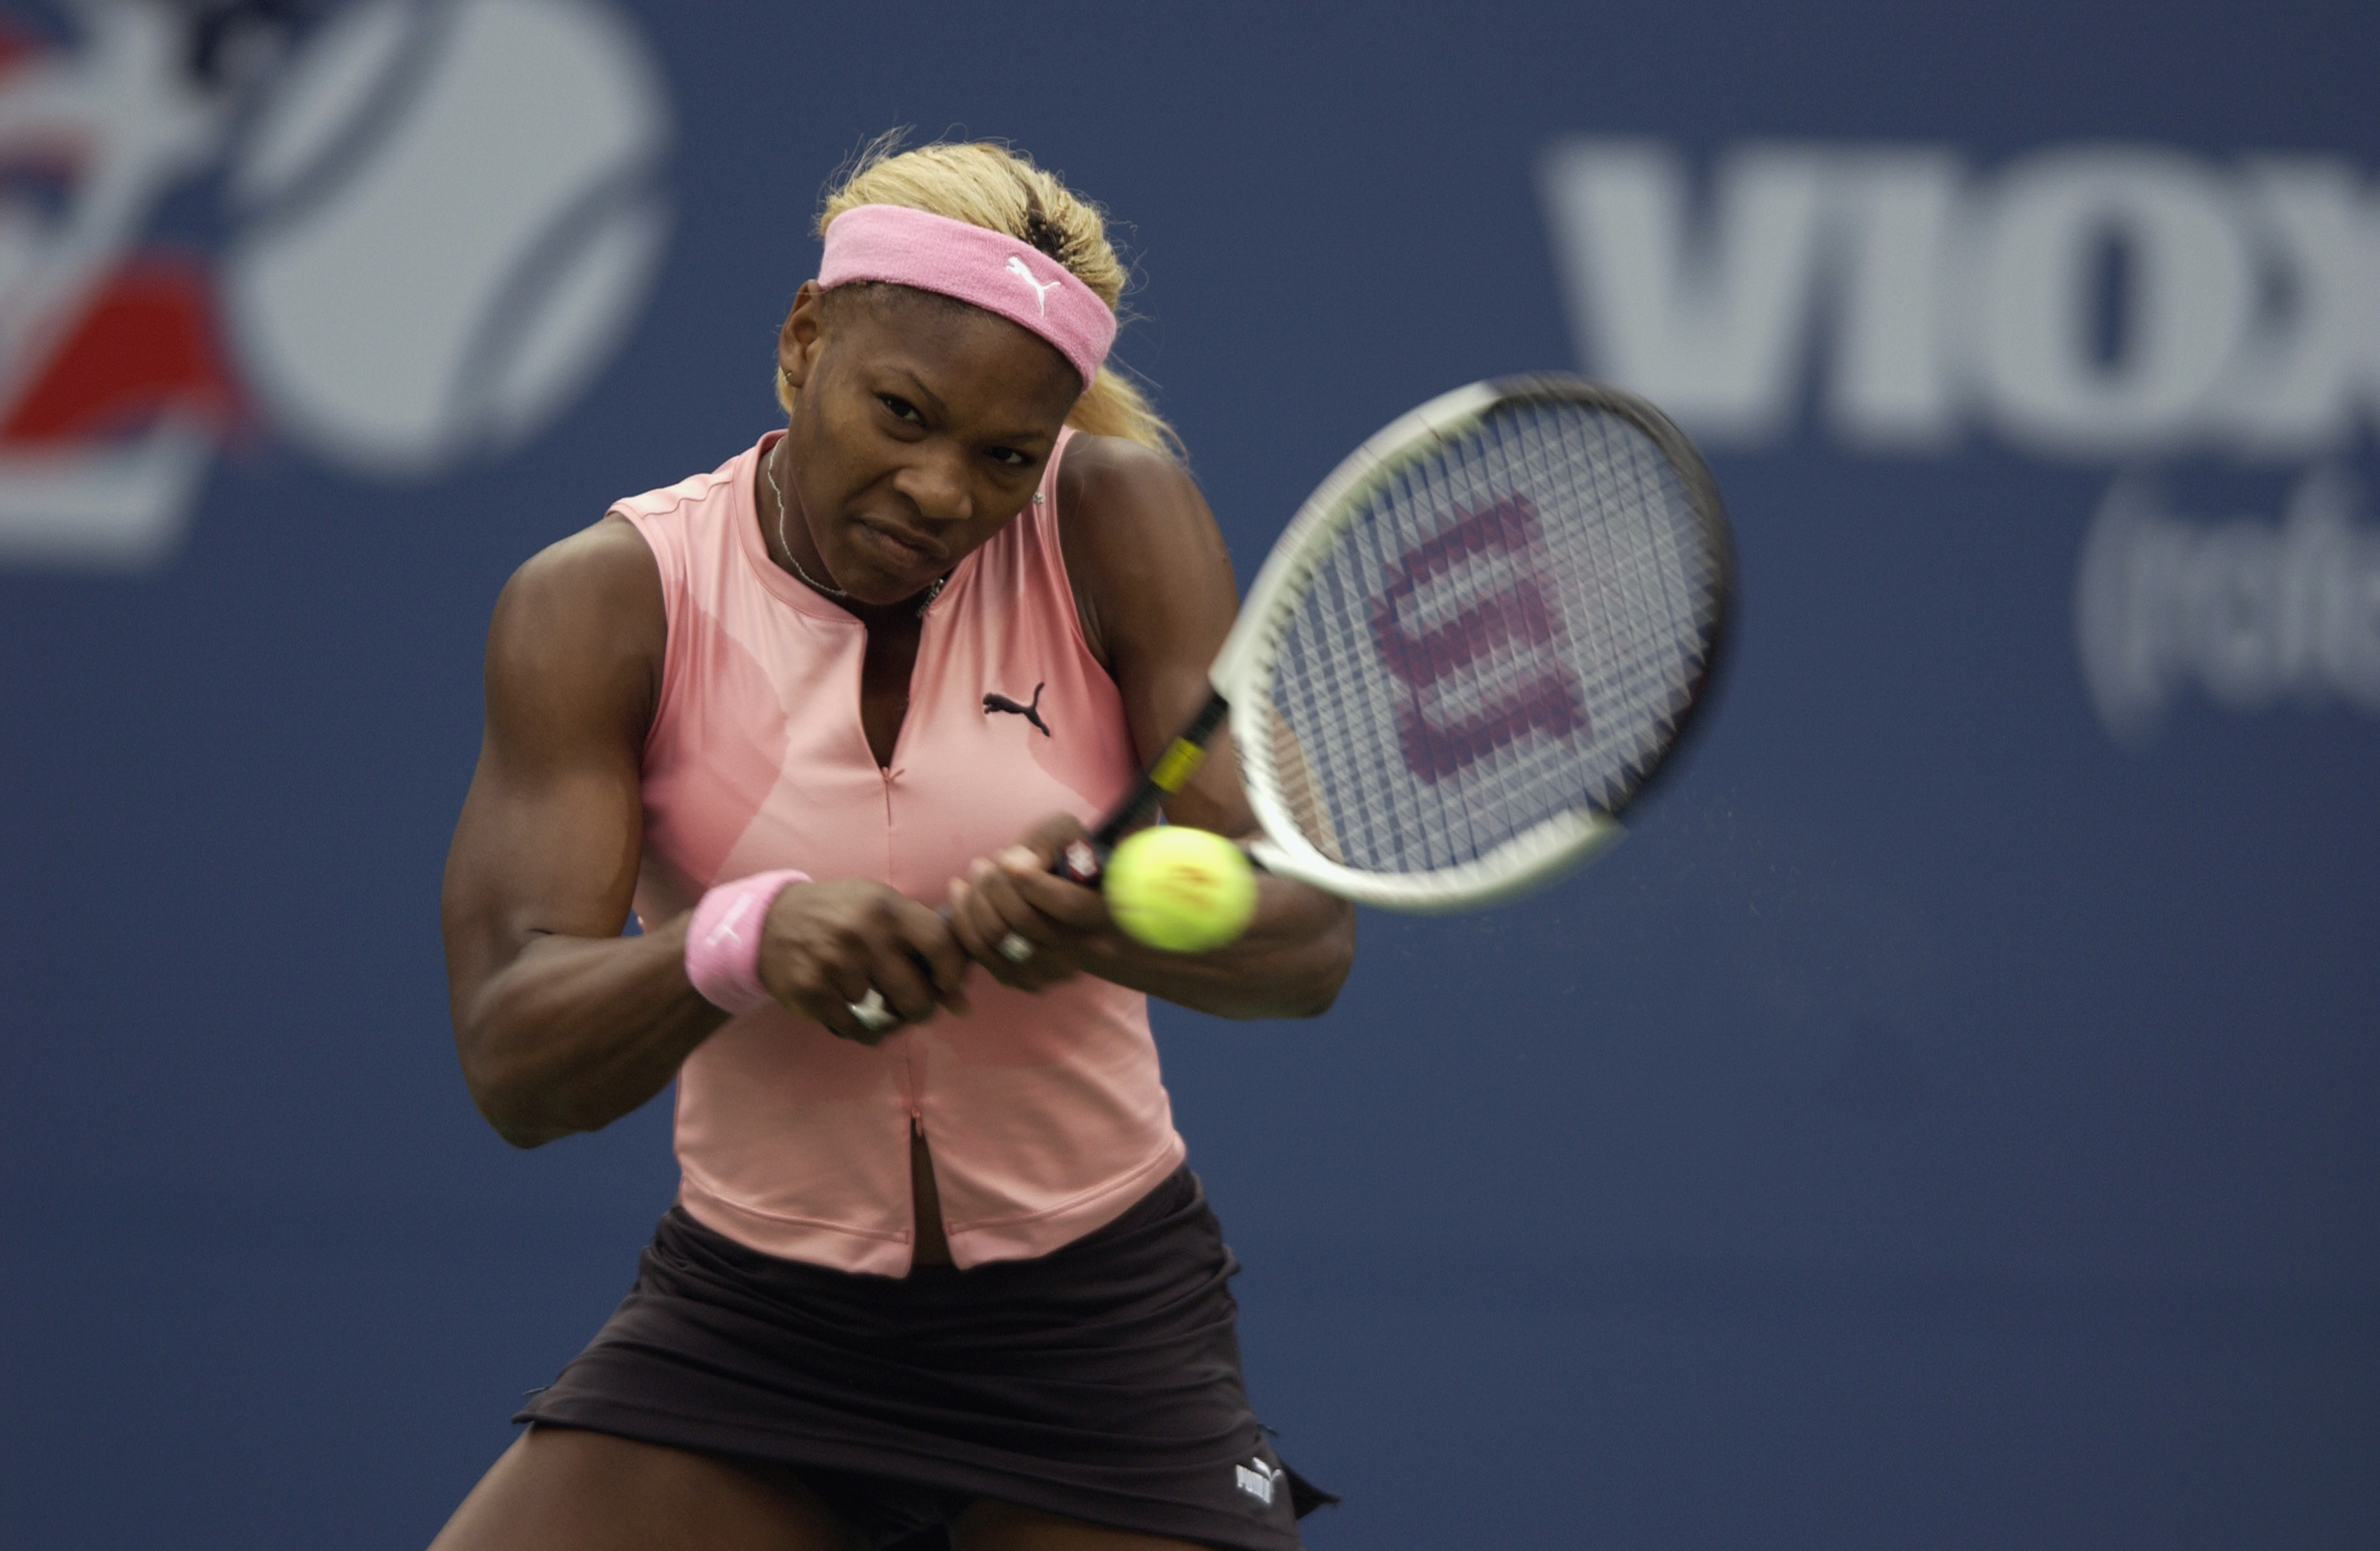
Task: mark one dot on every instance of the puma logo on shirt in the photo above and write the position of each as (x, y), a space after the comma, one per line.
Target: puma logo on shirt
(1030, 712)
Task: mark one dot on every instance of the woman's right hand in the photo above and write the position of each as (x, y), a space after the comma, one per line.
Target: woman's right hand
(826, 946)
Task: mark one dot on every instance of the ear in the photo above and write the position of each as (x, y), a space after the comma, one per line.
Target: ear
(799, 342)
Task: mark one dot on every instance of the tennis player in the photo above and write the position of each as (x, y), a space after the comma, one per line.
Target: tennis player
(937, 1266)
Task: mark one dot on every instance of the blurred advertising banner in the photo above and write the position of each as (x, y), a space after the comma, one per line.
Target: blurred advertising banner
(2114, 304)
(1946, 1120)
(396, 233)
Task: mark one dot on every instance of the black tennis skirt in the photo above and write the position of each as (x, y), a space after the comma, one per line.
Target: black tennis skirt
(1100, 1381)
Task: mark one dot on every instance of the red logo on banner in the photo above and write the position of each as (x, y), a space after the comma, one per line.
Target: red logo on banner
(1513, 628)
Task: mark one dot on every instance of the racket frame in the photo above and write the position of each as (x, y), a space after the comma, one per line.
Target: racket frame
(1242, 670)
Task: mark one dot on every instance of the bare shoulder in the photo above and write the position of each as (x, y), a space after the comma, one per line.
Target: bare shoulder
(580, 629)
(1135, 529)
(1103, 469)
(603, 573)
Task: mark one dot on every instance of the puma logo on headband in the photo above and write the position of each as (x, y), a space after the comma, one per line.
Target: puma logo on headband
(898, 246)
(1040, 291)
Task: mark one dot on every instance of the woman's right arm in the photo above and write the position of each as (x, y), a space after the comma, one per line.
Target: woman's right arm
(563, 1025)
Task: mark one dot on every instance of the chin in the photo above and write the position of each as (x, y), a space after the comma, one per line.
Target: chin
(864, 583)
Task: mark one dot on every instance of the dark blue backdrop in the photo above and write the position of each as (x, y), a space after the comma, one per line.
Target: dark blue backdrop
(1940, 1124)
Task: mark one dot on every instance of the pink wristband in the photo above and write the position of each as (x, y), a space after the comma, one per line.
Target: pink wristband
(723, 942)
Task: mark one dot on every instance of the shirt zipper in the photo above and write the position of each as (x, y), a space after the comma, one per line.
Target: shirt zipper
(916, 1133)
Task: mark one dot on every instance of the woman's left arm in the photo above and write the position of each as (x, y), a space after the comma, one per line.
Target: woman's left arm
(1153, 586)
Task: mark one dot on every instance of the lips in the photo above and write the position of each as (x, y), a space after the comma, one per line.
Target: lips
(902, 548)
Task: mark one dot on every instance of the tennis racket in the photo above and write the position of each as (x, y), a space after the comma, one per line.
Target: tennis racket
(1469, 651)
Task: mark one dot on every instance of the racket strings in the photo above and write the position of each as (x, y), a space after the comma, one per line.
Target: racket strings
(1509, 631)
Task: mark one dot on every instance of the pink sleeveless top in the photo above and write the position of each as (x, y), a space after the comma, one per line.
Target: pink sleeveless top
(1045, 1113)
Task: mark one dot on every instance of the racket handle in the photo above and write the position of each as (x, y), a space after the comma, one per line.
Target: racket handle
(1081, 861)
(1084, 859)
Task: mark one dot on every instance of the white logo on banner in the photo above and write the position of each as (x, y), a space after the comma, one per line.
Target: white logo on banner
(2249, 316)
(2092, 302)
(446, 214)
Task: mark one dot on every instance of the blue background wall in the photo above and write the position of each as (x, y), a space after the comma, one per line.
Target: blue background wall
(1940, 1125)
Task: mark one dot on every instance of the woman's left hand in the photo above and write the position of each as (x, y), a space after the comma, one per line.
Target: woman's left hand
(1029, 927)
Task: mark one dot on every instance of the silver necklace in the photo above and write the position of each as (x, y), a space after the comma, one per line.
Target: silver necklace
(777, 483)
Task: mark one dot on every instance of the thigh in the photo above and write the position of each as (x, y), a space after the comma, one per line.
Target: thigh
(990, 1526)
(561, 1487)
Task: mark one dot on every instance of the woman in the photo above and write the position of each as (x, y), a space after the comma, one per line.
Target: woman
(936, 1265)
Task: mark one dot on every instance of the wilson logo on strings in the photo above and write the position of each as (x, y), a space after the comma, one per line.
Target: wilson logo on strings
(1478, 681)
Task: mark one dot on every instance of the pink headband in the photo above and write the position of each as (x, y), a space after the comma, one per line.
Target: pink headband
(987, 269)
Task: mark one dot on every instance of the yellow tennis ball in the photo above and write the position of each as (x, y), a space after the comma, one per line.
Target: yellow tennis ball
(1181, 889)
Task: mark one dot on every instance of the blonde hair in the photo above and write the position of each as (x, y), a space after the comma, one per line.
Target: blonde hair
(990, 186)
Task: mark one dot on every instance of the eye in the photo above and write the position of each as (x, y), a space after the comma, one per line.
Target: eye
(1009, 457)
(900, 409)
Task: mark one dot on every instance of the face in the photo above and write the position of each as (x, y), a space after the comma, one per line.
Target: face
(919, 429)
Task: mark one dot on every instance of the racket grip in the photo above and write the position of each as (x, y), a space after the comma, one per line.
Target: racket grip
(1081, 861)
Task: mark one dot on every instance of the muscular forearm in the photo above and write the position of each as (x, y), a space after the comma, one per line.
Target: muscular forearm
(576, 1031)
(1289, 963)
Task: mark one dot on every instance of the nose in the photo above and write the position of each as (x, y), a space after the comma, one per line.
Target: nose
(936, 483)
